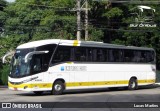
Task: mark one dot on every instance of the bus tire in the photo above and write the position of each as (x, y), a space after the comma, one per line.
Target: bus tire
(133, 85)
(58, 88)
(38, 92)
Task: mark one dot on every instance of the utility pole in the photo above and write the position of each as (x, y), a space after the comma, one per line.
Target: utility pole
(78, 19)
(80, 8)
(86, 20)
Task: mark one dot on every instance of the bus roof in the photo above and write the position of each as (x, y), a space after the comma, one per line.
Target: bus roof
(38, 43)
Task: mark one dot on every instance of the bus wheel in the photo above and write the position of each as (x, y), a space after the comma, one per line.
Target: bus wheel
(132, 84)
(58, 88)
(38, 92)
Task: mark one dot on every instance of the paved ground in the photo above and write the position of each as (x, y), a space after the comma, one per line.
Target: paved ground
(144, 94)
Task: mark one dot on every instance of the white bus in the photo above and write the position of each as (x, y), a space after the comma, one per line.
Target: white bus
(58, 65)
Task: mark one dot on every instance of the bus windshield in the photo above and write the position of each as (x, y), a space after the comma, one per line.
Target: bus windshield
(18, 66)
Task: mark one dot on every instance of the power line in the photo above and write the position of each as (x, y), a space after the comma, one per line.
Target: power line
(126, 30)
(47, 6)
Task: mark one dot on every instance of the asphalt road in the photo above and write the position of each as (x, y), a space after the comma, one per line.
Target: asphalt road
(144, 94)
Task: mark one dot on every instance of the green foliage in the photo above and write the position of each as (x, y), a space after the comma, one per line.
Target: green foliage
(34, 18)
(113, 13)
(4, 74)
(95, 34)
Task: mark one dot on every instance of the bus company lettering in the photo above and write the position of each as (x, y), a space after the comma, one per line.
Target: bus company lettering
(143, 25)
(75, 68)
(18, 105)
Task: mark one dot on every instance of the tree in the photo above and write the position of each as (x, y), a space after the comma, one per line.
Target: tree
(33, 19)
(3, 15)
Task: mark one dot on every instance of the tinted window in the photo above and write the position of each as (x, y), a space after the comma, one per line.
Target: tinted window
(128, 55)
(138, 56)
(91, 54)
(100, 55)
(36, 64)
(40, 62)
(80, 54)
(87, 54)
(115, 55)
(62, 54)
(150, 56)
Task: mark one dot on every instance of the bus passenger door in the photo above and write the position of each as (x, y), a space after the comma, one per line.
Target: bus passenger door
(39, 67)
(37, 71)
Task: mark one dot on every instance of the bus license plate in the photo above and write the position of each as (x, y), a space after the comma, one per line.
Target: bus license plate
(15, 89)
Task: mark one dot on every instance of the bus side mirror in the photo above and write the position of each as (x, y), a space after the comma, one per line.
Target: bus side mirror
(32, 53)
(6, 55)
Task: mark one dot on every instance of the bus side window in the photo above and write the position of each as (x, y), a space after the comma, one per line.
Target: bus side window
(110, 56)
(143, 57)
(80, 54)
(36, 64)
(137, 56)
(58, 56)
(100, 55)
(72, 57)
(62, 54)
(149, 56)
(89, 53)
(152, 56)
(117, 55)
(128, 56)
(46, 57)
(94, 55)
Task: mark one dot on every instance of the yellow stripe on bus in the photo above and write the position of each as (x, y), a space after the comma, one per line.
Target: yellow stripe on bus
(75, 84)
(31, 85)
(147, 81)
(75, 43)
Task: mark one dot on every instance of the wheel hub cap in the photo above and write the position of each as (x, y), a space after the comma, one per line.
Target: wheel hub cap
(58, 87)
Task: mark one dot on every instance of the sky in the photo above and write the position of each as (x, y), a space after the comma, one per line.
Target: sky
(10, 0)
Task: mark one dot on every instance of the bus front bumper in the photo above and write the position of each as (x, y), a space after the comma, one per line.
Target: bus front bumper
(30, 87)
